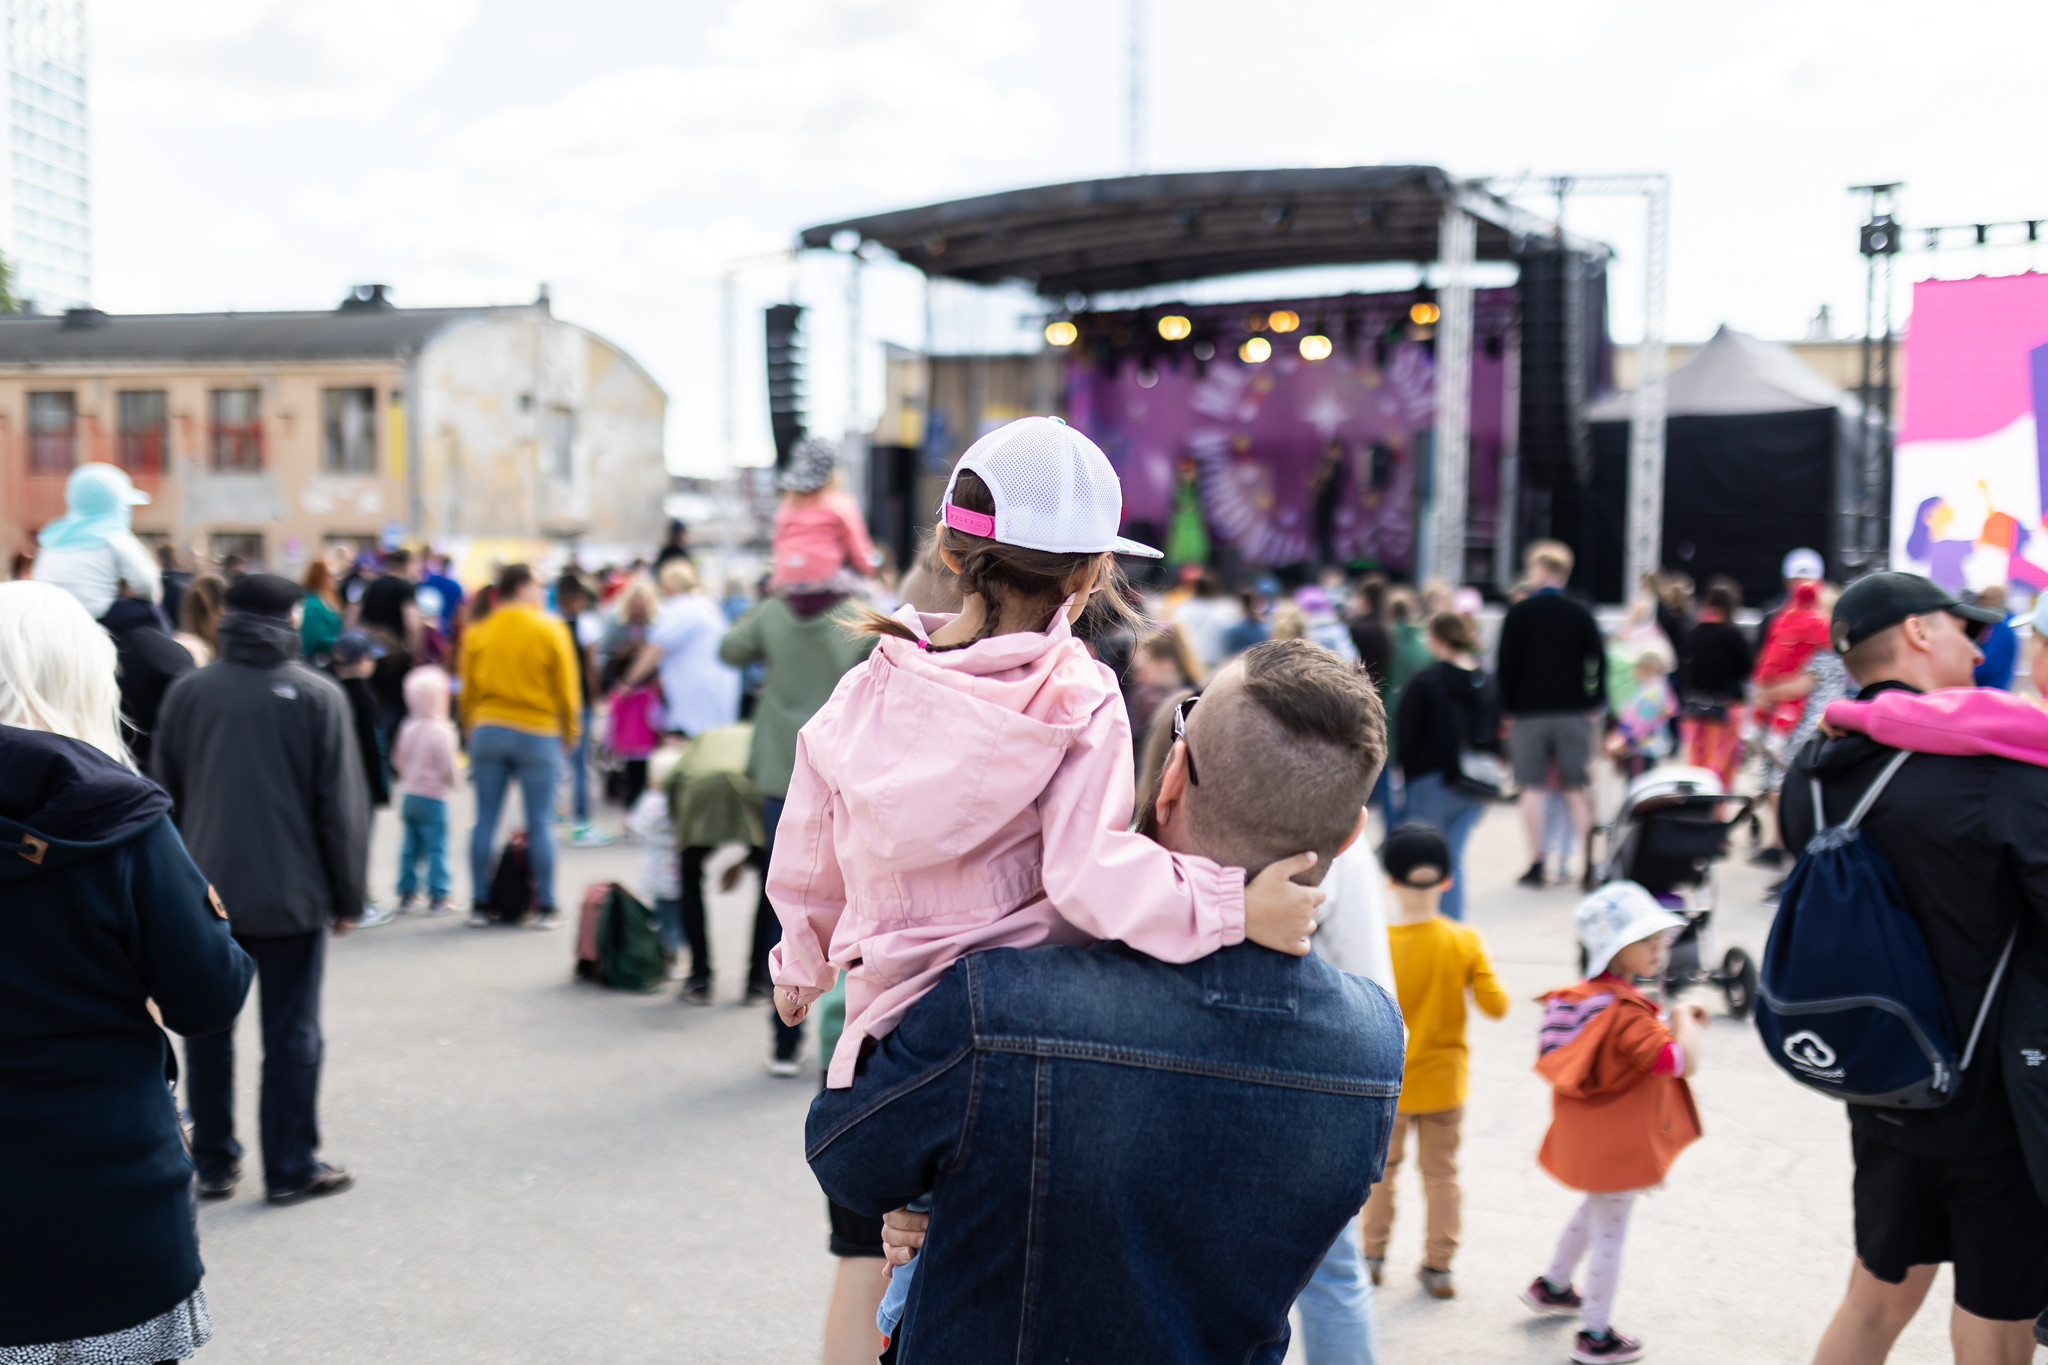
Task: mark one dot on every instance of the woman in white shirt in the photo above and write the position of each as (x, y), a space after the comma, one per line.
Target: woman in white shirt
(91, 550)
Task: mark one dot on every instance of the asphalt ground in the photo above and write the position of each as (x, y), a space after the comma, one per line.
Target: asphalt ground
(550, 1171)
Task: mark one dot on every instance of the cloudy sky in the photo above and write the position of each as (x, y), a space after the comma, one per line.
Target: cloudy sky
(269, 153)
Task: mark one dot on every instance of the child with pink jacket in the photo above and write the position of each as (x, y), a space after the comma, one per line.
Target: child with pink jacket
(970, 785)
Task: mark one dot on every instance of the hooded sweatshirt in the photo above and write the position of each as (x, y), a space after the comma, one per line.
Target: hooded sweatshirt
(101, 910)
(423, 753)
(946, 802)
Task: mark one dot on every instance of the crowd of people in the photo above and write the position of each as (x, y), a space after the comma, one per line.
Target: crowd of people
(1082, 867)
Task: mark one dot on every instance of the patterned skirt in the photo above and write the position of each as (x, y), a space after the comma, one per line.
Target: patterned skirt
(174, 1334)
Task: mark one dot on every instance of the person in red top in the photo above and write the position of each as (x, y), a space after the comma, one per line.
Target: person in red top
(1621, 1111)
(1792, 635)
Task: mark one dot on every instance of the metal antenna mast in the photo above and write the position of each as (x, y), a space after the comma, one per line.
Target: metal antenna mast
(1137, 128)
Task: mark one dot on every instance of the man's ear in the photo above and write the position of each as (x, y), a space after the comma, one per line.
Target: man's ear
(1173, 783)
(1357, 830)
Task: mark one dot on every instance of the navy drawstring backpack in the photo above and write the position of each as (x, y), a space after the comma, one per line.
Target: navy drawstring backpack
(1849, 1002)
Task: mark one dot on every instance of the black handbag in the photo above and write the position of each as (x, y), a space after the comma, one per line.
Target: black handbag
(1480, 774)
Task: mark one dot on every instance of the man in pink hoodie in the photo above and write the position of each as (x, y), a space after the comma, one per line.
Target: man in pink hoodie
(1131, 1159)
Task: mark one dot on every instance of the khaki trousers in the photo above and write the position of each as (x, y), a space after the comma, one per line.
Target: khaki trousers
(1436, 1142)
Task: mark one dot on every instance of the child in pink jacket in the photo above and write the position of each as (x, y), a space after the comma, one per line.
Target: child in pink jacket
(820, 540)
(423, 754)
(1955, 720)
(970, 785)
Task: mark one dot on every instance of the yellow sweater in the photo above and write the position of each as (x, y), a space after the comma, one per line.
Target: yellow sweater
(1435, 963)
(519, 671)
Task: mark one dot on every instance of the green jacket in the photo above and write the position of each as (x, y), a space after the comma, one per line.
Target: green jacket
(806, 656)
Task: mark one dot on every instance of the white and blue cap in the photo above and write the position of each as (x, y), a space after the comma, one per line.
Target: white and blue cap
(1615, 916)
(1053, 488)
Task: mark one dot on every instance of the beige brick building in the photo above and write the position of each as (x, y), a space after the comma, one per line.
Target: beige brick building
(491, 432)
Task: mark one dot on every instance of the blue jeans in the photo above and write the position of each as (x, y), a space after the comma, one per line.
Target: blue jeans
(1386, 795)
(1431, 800)
(498, 755)
(426, 836)
(579, 774)
(1336, 1307)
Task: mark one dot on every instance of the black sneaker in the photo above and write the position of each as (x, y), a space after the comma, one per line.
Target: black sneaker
(1542, 1297)
(1534, 878)
(1610, 1345)
(696, 991)
(220, 1187)
(329, 1180)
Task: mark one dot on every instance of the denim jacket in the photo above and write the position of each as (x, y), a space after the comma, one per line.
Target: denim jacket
(1127, 1159)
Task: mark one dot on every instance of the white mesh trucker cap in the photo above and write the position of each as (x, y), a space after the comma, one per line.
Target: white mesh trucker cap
(1054, 490)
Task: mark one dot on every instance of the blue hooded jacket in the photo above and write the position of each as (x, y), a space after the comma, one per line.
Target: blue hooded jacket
(101, 910)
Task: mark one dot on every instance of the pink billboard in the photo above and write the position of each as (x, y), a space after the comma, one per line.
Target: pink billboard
(1971, 468)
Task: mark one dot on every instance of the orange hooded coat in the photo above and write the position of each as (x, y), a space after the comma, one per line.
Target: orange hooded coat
(1613, 1124)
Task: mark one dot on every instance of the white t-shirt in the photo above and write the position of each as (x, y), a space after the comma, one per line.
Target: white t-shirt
(699, 693)
(1352, 936)
(94, 574)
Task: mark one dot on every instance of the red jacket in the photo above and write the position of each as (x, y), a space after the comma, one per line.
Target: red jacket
(1614, 1125)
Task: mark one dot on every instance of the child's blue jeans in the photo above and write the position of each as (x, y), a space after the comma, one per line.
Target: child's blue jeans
(426, 836)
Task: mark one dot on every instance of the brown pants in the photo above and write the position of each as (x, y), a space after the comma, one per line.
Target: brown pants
(1436, 1141)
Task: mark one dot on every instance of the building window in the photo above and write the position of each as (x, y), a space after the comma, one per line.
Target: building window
(145, 430)
(562, 443)
(236, 419)
(52, 432)
(349, 417)
(236, 551)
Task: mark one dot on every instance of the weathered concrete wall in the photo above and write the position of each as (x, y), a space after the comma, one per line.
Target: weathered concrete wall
(495, 397)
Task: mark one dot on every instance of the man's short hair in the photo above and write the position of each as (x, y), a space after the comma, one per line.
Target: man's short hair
(511, 579)
(1291, 739)
(1869, 657)
(397, 560)
(1551, 556)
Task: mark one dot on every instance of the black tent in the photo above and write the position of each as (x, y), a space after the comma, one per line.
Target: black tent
(1753, 458)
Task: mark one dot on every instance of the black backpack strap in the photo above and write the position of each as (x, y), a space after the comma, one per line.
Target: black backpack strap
(1990, 994)
(1876, 789)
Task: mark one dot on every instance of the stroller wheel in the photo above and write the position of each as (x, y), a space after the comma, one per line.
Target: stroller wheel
(1738, 982)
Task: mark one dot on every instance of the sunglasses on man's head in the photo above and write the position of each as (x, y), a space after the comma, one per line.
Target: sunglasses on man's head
(1180, 732)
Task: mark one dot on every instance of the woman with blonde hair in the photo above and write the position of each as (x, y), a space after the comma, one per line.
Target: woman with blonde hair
(108, 922)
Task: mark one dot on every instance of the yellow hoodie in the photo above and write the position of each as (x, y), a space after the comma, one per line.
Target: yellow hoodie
(519, 670)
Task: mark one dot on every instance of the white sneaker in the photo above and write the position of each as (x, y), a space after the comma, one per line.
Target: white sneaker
(784, 1067)
(549, 918)
(374, 915)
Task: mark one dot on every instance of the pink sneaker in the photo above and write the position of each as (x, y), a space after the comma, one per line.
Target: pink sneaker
(1550, 1302)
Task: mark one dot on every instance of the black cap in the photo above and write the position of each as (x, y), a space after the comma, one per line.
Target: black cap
(1880, 601)
(265, 594)
(352, 647)
(1411, 848)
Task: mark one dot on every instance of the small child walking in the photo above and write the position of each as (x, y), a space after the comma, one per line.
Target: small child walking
(424, 756)
(1437, 963)
(1621, 1111)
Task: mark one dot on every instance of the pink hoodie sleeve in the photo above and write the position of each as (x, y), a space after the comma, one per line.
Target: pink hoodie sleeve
(805, 884)
(1956, 720)
(1113, 884)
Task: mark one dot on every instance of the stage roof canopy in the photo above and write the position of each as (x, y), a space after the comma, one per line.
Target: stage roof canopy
(1092, 236)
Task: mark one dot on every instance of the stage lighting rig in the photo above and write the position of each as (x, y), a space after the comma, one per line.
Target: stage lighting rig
(1174, 327)
(1061, 333)
(1255, 351)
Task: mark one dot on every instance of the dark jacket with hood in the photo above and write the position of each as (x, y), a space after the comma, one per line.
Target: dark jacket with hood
(100, 910)
(149, 662)
(1967, 837)
(259, 752)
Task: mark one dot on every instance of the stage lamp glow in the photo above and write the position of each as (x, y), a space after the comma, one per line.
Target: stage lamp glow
(1174, 327)
(1423, 314)
(1315, 347)
(1284, 321)
(1255, 351)
(1062, 333)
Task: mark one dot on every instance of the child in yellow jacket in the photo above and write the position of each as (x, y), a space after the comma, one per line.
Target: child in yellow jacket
(1437, 961)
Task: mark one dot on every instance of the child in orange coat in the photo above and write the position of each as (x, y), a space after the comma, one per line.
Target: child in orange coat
(1621, 1111)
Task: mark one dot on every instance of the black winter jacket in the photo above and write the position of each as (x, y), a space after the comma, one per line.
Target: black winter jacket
(259, 752)
(1552, 659)
(1444, 708)
(100, 910)
(1967, 838)
(149, 661)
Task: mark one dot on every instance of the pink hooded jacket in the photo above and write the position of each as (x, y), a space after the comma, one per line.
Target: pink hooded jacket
(967, 799)
(1955, 720)
(423, 752)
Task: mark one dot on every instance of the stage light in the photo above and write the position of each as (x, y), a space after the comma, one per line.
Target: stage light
(1283, 321)
(1147, 377)
(1174, 327)
(1062, 333)
(1205, 350)
(1255, 351)
(1255, 322)
(1424, 314)
(1315, 346)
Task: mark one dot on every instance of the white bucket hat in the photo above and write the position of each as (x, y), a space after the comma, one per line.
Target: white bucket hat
(1054, 490)
(1615, 916)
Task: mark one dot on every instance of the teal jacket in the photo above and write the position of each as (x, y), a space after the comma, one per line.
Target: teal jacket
(806, 656)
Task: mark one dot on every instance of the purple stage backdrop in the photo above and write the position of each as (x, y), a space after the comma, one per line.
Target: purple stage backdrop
(1265, 441)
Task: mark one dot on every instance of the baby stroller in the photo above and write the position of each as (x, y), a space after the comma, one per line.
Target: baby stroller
(1672, 828)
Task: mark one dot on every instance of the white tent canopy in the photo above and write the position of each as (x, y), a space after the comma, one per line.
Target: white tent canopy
(1735, 374)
